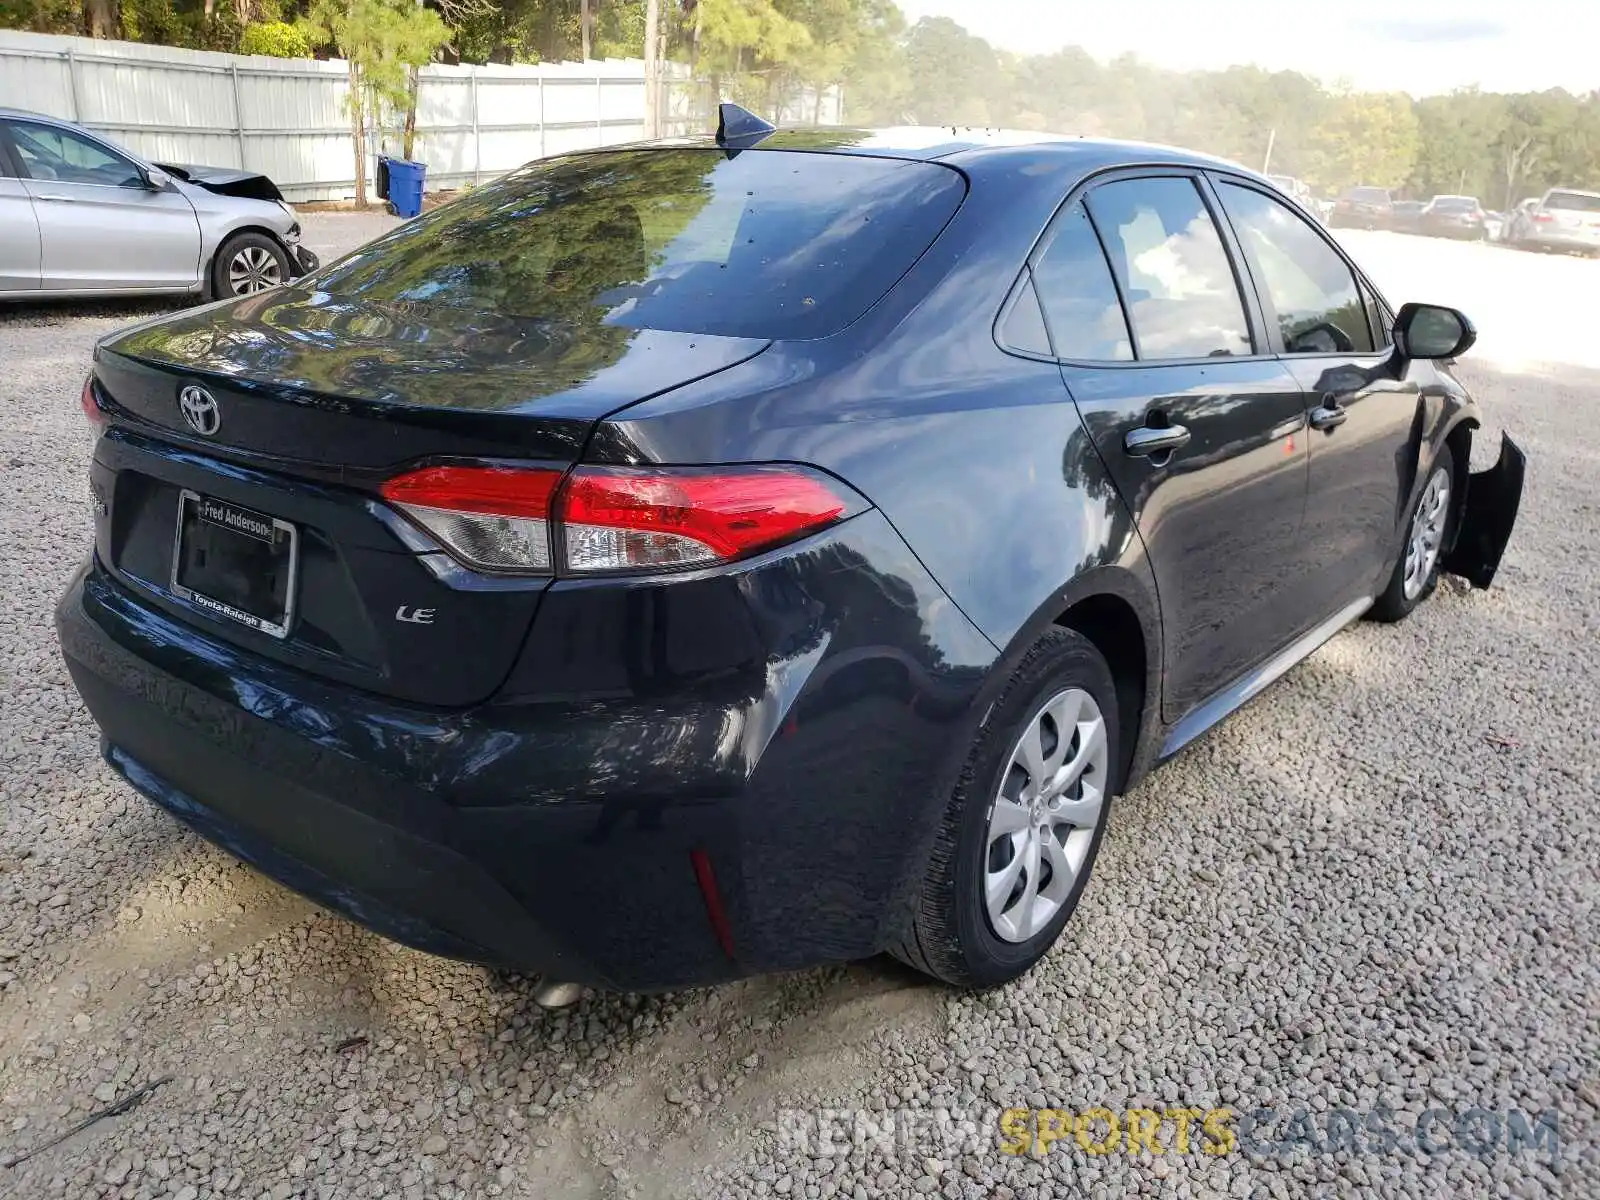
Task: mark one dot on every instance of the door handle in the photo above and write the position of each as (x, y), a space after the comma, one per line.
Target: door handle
(1328, 415)
(1150, 440)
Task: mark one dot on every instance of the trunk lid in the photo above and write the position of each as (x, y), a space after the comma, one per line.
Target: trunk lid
(352, 386)
(317, 400)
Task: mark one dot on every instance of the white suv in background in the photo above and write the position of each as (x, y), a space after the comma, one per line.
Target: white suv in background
(1564, 219)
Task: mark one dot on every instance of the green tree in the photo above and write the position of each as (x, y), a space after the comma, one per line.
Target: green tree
(953, 74)
(1367, 137)
(380, 39)
(877, 78)
(276, 39)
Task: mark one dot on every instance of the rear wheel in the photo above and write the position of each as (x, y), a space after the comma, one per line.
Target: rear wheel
(1417, 573)
(248, 263)
(1021, 831)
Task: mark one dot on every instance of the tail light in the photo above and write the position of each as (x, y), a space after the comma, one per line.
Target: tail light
(91, 405)
(536, 521)
(491, 518)
(1542, 218)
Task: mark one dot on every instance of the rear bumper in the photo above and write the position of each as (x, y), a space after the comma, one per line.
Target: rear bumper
(1363, 218)
(559, 832)
(1545, 239)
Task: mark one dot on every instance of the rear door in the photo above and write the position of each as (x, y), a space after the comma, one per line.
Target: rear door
(1364, 411)
(101, 228)
(19, 231)
(1201, 431)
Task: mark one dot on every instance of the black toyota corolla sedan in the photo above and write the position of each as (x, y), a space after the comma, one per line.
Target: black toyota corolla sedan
(681, 561)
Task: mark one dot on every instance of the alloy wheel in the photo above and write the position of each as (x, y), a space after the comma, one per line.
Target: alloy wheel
(1044, 815)
(1427, 533)
(253, 269)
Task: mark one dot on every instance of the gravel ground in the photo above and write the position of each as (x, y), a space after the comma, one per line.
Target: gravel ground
(1374, 889)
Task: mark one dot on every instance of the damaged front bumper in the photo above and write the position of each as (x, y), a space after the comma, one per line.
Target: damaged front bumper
(303, 261)
(1487, 516)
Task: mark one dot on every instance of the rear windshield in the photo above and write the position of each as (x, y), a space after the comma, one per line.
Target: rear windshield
(1462, 203)
(1575, 201)
(766, 243)
(1369, 194)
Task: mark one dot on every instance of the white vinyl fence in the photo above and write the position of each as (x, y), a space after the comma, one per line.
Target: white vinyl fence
(286, 118)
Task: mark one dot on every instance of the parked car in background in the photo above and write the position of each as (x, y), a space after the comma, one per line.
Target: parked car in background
(1363, 208)
(1455, 217)
(81, 216)
(681, 561)
(1405, 216)
(1562, 219)
(1297, 191)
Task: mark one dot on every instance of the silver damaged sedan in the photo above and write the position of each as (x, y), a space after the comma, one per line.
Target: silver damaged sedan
(81, 216)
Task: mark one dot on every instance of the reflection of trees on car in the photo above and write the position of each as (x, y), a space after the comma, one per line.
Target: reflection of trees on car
(547, 242)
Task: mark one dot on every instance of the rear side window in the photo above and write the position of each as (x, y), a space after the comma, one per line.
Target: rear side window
(1078, 296)
(1023, 328)
(1313, 290)
(1573, 201)
(766, 244)
(1182, 298)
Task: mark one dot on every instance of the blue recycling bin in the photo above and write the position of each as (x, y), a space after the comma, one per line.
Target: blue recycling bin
(405, 185)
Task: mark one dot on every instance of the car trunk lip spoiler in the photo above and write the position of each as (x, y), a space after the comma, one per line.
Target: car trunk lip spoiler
(1488, 514)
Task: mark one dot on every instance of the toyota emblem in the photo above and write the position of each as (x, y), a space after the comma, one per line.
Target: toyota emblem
(200, 410)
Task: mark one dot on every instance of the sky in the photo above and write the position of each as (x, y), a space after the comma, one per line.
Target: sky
(1416, 46)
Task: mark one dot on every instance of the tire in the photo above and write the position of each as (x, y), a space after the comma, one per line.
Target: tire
(248, 263)
(1410, 584)
(953, 936)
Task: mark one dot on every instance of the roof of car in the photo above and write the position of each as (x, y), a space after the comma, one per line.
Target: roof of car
(32, 116)
(969, 146)
(963, 145)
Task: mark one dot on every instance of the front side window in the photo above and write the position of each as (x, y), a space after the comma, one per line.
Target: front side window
(59, 156)
(1318, 304)
(1078, 296)
(1181, 295)
(1377, 316)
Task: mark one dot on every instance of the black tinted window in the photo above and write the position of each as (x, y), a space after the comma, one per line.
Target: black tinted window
(1182, 299)
(1319, 306)
(767, 244)
(1078, 296)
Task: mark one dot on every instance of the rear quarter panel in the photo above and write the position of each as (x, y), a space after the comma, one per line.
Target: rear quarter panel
(977, 457)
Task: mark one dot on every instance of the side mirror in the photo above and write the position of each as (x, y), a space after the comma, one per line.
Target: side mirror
(1433, 331)
(157, 180)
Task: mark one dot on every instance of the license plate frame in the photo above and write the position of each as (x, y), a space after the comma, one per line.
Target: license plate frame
(248, 524)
